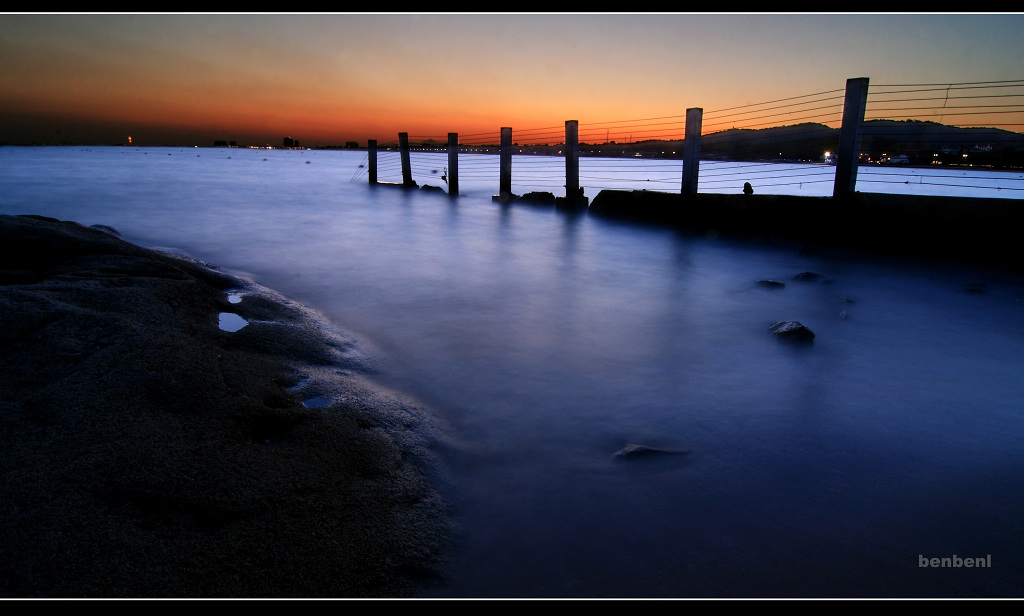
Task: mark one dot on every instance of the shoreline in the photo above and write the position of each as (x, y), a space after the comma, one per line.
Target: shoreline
(150, 453)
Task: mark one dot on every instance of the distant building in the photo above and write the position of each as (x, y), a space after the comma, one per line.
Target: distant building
(289, 142)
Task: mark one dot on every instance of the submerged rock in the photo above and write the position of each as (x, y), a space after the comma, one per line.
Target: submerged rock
(543, 197)
(771, 284)
(633, 450)
(792, 330)
(811, 277)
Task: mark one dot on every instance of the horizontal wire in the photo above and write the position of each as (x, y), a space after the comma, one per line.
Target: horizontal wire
(548, 169)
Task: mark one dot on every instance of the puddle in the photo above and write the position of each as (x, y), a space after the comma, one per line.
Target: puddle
(234, 298)
(231, 322)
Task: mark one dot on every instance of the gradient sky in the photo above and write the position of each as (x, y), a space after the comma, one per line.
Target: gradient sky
(189, 79)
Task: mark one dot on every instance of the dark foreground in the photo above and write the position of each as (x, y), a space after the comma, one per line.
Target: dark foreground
(148, 453)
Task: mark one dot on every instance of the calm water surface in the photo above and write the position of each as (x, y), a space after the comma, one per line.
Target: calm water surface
(545, 342)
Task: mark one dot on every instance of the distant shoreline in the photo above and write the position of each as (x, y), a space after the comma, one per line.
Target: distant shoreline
(918, 144)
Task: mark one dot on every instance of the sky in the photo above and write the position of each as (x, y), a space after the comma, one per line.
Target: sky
(327, 79)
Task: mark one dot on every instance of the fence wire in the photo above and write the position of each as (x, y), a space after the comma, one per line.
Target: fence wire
(940, 138)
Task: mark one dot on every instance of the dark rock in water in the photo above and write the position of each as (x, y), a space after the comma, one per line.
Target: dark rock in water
(650, 459)
(504, 197)
(792, 330)
(771, 284)
(429, 187)
(539, 197)
(632, 451)
(811, 277)
(573, 200)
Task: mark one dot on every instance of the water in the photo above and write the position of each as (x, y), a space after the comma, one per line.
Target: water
(546, 342)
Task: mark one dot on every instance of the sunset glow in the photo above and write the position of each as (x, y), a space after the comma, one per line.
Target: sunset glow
(337, 78)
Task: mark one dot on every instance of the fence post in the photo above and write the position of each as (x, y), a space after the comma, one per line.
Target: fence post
(573, 193)
(505, 160)
(849, 137)
(453, 164)
(403, 148)
(371, 158)
(691, 150)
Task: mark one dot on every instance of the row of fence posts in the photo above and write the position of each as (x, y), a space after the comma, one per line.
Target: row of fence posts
(854, 105)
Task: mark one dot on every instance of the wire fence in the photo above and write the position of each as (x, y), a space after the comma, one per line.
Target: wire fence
(938, 139)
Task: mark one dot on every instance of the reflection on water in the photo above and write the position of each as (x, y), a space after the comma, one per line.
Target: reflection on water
(546, 343)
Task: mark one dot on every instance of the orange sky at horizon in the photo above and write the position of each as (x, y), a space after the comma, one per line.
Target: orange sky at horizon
(328, 79)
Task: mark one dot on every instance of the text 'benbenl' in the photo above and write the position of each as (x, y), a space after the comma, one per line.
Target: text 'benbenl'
(955, 561)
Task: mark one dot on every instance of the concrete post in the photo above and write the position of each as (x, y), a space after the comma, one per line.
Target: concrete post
(573, 193)
(505, 160)
(691, 150)
(849, 137)
(403, 148)
(453, 164)
(371, 157)
(572, 158)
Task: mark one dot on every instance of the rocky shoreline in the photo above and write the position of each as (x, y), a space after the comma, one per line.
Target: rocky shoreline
(147, 452)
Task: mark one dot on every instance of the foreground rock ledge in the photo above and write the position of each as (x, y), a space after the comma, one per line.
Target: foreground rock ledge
(147, 453)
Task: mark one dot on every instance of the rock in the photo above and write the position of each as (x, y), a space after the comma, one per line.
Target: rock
(632, 450)
(771, 284)
(811, 277)
(147, 453)
(573, 200)
(106, 229)
(539, 197)
(792, 330)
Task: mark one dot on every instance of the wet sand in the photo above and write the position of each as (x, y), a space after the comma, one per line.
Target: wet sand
(147, 452)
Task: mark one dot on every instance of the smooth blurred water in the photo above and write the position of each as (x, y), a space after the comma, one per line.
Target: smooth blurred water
(545, 342)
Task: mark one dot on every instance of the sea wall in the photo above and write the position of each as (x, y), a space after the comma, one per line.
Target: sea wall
(954, 228)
